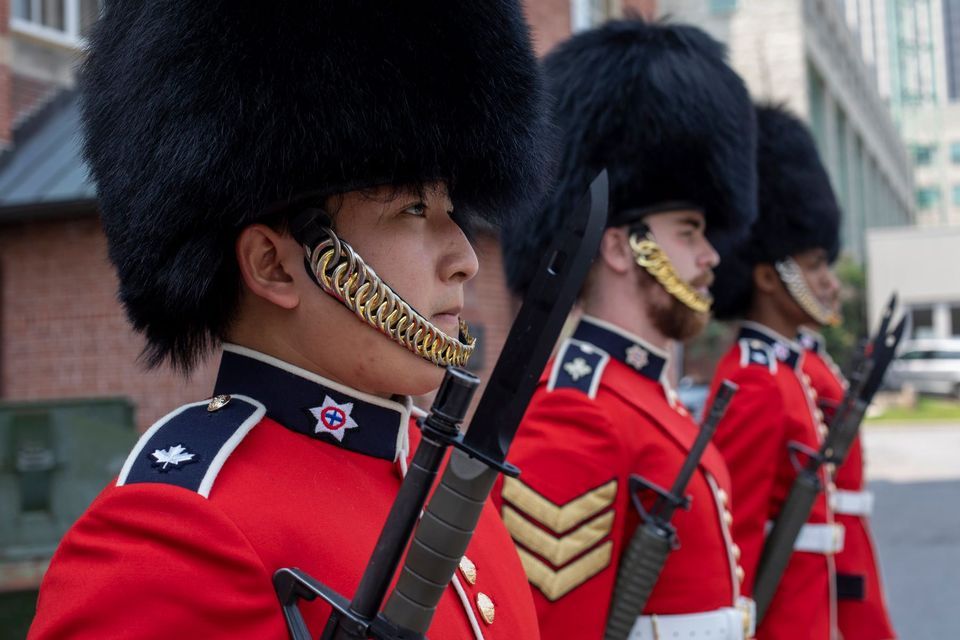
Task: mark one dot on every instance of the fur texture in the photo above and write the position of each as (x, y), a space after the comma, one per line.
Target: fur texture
(798, 210)
(658, 107)
(199, 114)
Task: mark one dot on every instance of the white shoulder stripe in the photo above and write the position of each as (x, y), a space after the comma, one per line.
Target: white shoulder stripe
(207, 483)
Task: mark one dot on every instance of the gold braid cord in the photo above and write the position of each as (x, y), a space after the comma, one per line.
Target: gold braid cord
(792, 277)
(345, 276)
(651, 257)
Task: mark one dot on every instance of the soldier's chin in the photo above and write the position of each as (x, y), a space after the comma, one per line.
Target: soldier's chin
(679, 322)
(416, 376)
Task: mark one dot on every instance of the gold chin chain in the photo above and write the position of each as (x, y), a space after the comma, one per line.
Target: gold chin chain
(345, 276)
(792, 277)
(651, 257)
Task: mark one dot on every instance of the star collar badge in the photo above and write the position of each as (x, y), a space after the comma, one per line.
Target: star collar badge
(333, 418)
(637, 357)
(577, 368)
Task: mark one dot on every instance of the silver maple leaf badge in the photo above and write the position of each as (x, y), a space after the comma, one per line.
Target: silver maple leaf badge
(175, 455)
(637, 357)
(577, 368)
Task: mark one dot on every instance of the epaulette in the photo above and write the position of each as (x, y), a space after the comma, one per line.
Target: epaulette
(755, 352)
(188, 447)
(579, 365)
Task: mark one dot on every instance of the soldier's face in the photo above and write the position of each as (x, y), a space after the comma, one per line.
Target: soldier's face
(819, 276)
(414, 245)
(682, 236)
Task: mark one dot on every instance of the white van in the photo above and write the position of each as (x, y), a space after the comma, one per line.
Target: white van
(929, 366)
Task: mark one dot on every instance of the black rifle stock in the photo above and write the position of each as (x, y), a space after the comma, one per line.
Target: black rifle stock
(864, 383)
(652, 541)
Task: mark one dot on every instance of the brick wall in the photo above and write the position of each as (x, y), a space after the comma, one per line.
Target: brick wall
(63, 332)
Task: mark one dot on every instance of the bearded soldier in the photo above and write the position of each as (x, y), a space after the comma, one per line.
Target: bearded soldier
(291, 181)
(659, 108)
(775, 280)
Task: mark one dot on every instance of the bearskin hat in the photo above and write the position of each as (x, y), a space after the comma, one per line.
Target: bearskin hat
(658, 107)
(798, 210)
(199, 115)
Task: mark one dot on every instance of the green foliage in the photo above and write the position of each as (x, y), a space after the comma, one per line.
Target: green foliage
(842, 341)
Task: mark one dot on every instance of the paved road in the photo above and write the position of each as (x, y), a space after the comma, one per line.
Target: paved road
(915, 473)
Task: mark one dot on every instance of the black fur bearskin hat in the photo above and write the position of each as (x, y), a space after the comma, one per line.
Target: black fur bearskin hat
(658, 107)
(798, 210)
(199, 115)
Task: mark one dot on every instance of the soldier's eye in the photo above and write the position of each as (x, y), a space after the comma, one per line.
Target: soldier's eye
(418, 209)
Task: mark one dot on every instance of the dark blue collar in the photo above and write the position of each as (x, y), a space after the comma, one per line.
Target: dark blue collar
(810, 340)
(786, 350)
(314, 406)
(637, 354)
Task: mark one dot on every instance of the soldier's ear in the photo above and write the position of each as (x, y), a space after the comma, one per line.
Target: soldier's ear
(265, 258)
(615, 250)
(765, 278)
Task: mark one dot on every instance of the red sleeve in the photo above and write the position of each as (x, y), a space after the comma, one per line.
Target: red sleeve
(751, 439)
(565, 512)
(155, 561)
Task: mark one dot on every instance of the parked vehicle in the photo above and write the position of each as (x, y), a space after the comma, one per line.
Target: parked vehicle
(929, 366)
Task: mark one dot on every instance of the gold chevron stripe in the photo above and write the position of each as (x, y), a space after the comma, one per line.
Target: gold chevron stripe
(556, 584)
(557, 550)
(558, 518)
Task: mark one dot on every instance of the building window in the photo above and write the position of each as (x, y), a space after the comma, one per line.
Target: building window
(955, 153)
(928, 197)
(921, 321)
(955, 321)
(923, 154)
(722, 6)
(64, 21)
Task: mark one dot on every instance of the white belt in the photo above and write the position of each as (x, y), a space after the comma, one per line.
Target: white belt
(728, 623)
(852, 503)
(820, 538)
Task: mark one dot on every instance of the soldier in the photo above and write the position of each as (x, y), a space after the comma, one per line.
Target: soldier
(861, 606)
(658, 107)
(775, 281)
(291, 180)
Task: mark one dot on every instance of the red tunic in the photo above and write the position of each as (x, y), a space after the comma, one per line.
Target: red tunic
(189, 541)
(600, 415)
(772, 408)
(861, 606)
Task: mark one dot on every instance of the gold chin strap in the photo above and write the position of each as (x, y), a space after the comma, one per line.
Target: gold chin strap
(792, 277)
(345, 276)
(651, 257)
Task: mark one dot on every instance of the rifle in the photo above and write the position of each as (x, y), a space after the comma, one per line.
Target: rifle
(844, 426)
(652, 541)
(447, 523)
